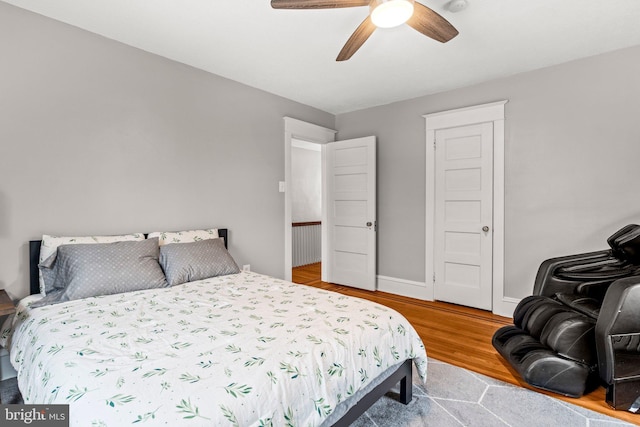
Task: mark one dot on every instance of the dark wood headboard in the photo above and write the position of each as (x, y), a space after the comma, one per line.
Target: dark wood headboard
(34, 258)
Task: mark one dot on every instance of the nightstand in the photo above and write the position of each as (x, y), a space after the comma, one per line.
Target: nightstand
(6, 305)
(6, 308)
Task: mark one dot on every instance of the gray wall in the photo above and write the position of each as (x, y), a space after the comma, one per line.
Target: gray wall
(572, 163)
(99, 138)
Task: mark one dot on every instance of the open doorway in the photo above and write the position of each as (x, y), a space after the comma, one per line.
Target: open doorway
(302, 131)
(306, 211)
(348, 223)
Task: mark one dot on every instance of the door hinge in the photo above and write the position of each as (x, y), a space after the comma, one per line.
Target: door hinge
(434, 277)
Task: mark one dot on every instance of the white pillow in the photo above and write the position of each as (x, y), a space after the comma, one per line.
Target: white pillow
(50, 245)
(166, 237)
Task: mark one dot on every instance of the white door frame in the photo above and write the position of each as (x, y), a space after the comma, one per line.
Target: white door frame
(298, 129)
(492, 112)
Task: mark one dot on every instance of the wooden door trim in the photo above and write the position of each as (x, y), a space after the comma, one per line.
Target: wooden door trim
(492, 112)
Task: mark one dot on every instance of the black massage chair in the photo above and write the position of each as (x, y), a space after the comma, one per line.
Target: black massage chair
(581, 326)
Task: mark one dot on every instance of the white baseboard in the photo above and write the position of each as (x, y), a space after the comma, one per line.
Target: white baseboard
(6, 370)
(501, 306)
(407, 288)
(505, 306)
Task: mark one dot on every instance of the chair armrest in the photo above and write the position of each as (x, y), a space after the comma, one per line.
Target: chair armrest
(548, 284)
(607, 263)
(595, 289)
(618, 331)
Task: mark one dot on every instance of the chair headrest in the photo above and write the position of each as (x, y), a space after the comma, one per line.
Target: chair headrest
(625, 243)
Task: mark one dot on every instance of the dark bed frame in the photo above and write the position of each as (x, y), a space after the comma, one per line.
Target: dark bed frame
(403, 374)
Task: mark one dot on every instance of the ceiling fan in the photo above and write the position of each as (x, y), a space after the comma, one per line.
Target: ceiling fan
(383, 14)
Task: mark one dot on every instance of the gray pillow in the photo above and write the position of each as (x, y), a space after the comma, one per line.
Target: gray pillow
(86, 270)
(187, 262)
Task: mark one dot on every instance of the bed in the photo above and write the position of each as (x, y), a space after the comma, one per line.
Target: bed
(239, 349)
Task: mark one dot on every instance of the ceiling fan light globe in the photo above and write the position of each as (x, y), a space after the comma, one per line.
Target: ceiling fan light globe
(390, 13)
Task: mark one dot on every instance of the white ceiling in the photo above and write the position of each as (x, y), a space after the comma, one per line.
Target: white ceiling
(292, 53)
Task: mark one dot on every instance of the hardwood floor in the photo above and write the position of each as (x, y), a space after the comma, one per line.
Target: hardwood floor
(457, 335)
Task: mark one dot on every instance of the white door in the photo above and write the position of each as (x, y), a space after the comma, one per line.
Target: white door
(463, 215)
(350, 213)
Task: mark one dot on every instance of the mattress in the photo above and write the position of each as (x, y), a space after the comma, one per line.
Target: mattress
(243, 349)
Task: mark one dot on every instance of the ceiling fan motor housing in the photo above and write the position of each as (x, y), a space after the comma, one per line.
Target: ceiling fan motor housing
(390, 13)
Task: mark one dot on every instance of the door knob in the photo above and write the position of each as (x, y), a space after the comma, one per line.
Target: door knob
(485, 228)
(369, 224)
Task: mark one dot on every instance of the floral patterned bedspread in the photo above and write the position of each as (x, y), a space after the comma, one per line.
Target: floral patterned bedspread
(237, 350)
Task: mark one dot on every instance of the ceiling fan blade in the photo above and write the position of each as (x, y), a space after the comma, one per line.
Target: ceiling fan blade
(317, 4)
(357, 39)
(431, 24)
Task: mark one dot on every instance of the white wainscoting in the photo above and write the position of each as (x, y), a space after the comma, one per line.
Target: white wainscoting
(307, 244)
